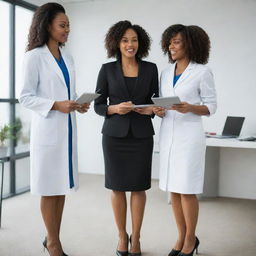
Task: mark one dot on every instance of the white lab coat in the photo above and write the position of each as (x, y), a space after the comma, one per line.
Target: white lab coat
(182, 140)
(43, 84)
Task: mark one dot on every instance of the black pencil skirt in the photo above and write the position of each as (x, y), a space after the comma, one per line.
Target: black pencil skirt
(128, 162)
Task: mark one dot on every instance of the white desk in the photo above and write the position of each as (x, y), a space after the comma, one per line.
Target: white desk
(230, 143)
(230, 168)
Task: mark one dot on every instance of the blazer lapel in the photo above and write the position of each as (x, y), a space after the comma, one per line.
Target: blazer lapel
(53, 64)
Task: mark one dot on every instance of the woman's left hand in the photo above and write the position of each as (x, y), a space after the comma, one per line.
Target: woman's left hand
(82, 108)
(183, 107)
(144, 111)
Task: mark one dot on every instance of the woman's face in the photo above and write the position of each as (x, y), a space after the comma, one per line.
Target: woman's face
(129, 44)
(177, 48)
(59, 28)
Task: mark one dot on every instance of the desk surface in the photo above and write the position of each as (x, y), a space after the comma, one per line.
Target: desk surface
(230, 143)
(222, 143)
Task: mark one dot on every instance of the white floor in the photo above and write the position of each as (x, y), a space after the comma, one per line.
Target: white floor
(226, 226)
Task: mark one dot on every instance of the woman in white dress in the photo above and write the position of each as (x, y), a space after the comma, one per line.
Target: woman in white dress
(49, 91)
(182, 139)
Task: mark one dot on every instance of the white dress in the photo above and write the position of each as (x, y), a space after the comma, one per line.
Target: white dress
(182, 140)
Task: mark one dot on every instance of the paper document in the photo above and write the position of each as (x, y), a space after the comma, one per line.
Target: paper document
(87, 98)
(166, 102)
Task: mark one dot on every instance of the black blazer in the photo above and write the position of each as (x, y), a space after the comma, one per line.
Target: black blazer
(112, 87)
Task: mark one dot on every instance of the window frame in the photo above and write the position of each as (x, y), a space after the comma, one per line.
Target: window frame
(12, 100)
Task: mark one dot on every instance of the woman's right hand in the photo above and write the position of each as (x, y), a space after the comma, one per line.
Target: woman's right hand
(121, 109)
(159, 111)
(65, 106)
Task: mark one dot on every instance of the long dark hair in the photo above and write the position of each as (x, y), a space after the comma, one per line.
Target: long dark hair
(43, 17)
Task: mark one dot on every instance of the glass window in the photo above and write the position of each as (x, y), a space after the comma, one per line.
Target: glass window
(23, 18)
(16, 175)
(4, 49)
(4, 113)
(4, 120)
(23, 119)
(22, 174)
(7, 179)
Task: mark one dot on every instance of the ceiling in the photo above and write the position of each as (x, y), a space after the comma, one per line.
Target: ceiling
(40, 2)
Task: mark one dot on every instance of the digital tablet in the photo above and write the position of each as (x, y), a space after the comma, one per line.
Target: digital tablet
(87, 98)
(143, 106)
(166, 102)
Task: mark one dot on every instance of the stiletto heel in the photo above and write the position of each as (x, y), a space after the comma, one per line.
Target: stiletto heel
(194, 249)
(45, 244)
(122, 253)
(45, 247)
(133, 253)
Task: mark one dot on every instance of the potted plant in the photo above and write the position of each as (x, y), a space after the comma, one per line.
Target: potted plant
(5, 134)
(16, 132)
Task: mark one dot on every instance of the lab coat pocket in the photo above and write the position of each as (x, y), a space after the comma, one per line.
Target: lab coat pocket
(46, 130)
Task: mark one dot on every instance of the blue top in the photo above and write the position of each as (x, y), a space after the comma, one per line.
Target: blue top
(65, 73)
(176, 78)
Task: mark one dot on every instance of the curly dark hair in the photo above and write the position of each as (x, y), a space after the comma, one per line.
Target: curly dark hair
(43, 17)
(115, 34)
(196, 42)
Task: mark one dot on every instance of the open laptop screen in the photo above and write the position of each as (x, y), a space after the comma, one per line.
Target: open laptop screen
(233, 125)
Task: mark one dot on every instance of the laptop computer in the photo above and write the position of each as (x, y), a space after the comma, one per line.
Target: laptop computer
(232, 128)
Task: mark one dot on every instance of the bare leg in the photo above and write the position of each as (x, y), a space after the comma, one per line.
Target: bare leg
(60, 207)
(138, 201)
(190, 210)
(49, 213)
(119, 205)
(180, 220)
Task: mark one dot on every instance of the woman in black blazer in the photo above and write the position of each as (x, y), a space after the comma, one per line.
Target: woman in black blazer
(127, 131)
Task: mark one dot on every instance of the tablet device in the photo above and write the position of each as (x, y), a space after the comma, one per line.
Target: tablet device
(87, 98)
(166, 102)
(143, 106)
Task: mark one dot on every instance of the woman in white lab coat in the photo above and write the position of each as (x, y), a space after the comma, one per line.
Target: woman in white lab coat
(49, 91)
(182, 139)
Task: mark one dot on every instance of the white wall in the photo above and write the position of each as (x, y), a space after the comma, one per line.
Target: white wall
(230, 25)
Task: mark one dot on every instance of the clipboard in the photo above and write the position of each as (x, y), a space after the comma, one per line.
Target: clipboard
(87, 98)
(166, 102)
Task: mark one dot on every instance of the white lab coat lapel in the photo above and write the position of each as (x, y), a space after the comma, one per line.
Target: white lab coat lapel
(186, 73)
(53, 64)
(166, 82)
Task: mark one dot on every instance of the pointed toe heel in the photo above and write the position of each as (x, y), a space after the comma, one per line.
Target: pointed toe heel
(192, 252)
(174, 252)
(123, 253)
(133, 253)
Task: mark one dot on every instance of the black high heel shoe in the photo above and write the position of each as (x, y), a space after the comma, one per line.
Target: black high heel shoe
(123, 253)
(45, 247)
(45, 244)
(191, 253)
(133, 253)
(174, 252)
